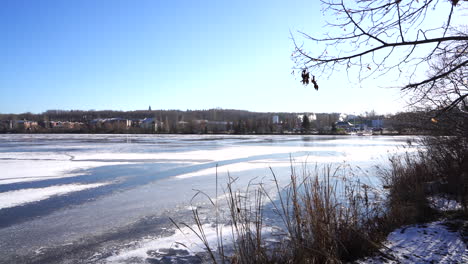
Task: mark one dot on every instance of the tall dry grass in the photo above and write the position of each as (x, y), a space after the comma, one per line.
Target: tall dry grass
(447, 158)
(325, 216)
(439, 168)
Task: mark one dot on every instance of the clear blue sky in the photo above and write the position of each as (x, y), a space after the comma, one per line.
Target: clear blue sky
(127, 55)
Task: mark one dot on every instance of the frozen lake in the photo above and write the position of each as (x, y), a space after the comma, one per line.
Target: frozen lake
(107, 198)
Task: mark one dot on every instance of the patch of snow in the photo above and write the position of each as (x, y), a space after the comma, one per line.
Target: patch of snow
(25, 166)
(429, 243)
(237, 167)
(24, 196)
(442, 203)
(183, 240)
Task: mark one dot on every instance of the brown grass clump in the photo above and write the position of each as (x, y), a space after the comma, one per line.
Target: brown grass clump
(406, 201)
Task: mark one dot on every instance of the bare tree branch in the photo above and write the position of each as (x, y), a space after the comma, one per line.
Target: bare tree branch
(380, 37)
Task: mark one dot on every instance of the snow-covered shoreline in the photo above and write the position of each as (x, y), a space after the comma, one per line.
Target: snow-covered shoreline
(433, 242)
(441, 241)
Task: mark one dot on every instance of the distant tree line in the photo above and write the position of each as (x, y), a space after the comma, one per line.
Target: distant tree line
(210, 121)
(169, 121)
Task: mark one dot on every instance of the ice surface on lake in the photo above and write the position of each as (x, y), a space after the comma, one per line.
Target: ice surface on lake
(150, 175)
(67, 160)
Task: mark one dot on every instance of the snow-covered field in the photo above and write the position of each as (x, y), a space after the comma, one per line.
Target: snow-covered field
(58, 189)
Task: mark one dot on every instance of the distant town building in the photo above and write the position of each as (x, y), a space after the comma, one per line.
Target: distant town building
(351, 117)
(344, 125)
(378, 123)
(182, 126)
(150, 124)
(25, 125)
(275, 119)
(111, 123)
(119, 121)
(312, 117)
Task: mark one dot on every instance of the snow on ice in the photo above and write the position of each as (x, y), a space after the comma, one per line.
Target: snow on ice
(24, 196)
